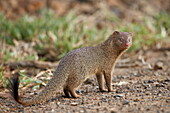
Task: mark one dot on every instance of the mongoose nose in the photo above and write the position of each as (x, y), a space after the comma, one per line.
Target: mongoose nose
(127, 44)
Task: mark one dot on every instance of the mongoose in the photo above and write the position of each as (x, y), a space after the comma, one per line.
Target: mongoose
(78, 65)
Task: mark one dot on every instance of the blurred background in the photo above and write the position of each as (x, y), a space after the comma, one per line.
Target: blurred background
(36, 34)
(48, 29)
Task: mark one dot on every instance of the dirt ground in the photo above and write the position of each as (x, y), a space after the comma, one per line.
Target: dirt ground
(141, 84)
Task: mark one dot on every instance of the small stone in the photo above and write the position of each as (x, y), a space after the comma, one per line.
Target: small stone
(99, 104)
(58, 103)
(118, 96)
(74, 104)
(158, 65)
(167, 80)
(4, 110)
(126, 102)
(35, 93)
(35, 111)
(81, 111)
(168, 100)
(149, 81)
(113, 110)
(119, 91)
(149, 89)
(159, 85)
(104, 100)
(79, 91)
(43, 106)
(21, 111)
(137, 100)
(147, 93)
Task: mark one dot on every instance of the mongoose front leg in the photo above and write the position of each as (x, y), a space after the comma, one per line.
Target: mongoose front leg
(100, 79)
(108, 79)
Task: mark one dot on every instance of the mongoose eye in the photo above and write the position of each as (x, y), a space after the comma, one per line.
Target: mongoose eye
(120, 41)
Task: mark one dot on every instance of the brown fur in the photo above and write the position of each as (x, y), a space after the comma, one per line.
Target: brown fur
(78, 65)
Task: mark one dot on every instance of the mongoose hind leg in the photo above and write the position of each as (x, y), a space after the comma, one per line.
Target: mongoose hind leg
(108, 79)
(100, 79)
(72, 84)
(73, 93)
(67, 92)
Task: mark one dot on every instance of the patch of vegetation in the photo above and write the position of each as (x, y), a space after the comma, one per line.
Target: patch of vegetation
(68, 32)
(162, 23)
(25, 80)
(63, 33)
(2, 79)
(148, 32)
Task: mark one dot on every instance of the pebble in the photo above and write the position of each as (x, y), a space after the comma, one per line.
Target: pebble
(74, 104)
(21, 111)
(119, 91)
(58, 103)
(149, 81)
(118, 96)
(167, 80)
(81, 111)
(158, 65)
(104, 99)
(4, 110)
(149, 89)
(159, 85)
(137, 100)
(113, 110)
(168, 100)
(147, 93)
(79, 91)
(125, 102)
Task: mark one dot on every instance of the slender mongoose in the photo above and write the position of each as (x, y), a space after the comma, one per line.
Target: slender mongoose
(78, 65)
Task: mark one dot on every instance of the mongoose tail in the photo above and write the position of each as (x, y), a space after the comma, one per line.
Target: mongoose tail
(50, 90)
(14, 89)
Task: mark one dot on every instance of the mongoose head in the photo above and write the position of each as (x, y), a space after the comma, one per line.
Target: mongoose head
(121, 40)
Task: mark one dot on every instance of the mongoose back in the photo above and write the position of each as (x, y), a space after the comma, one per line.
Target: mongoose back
(78, 65)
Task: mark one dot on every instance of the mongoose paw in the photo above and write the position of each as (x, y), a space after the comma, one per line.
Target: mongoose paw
(110, 90)
(66, 96)
(103, 90)
(76, 96)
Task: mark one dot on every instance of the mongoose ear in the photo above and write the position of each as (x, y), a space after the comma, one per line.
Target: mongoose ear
(116, 32)
(131, 34)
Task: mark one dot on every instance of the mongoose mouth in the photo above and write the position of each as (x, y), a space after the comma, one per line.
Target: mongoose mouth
(127, 44)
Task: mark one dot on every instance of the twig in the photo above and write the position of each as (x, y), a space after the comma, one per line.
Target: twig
(33, 64)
